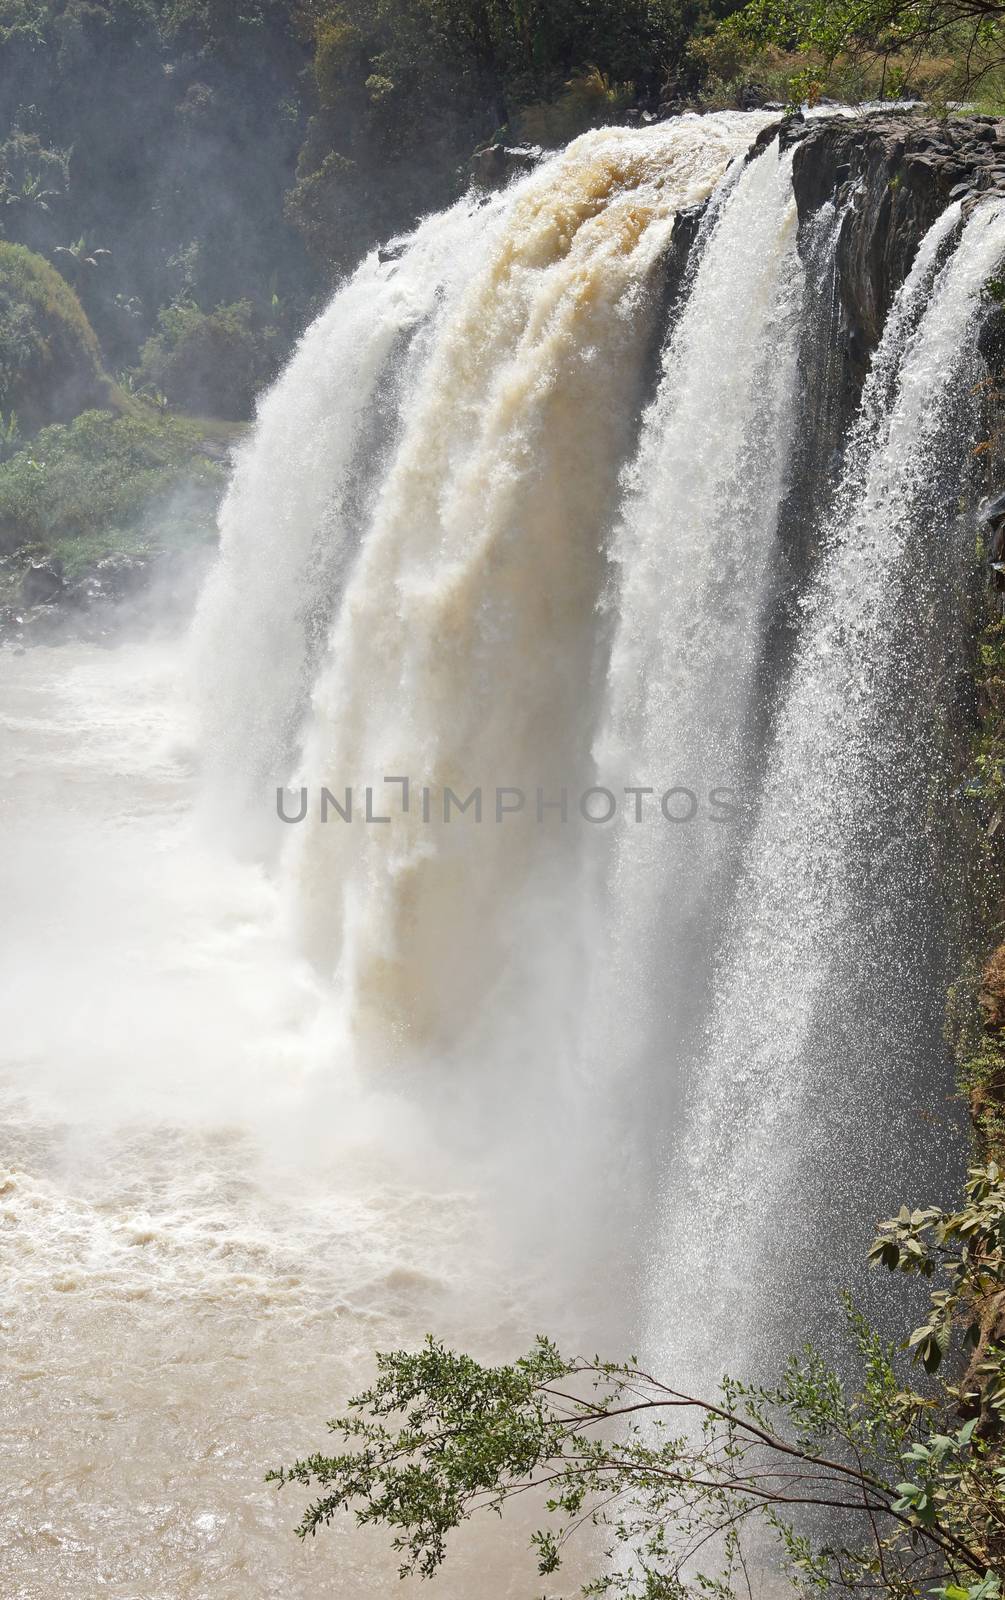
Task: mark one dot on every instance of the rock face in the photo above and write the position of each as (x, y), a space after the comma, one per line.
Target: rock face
(39, 604)
(881, 180)
(885, 177)
(497, 163)
(899, 172)
(42, 583)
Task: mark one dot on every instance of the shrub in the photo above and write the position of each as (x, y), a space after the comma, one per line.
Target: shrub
(34, 181)
(103, 475)
(50, 365)
(211, 363)
(337, 48)
(318, 206)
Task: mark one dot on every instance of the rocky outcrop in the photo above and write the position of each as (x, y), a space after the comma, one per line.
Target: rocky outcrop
(41, 583)
(496, 164)
(113, 596)
(891, 175)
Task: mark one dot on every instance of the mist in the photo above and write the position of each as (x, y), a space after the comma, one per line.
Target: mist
(530, 421)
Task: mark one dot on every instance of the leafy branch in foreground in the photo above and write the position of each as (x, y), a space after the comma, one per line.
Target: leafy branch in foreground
(873, 1488)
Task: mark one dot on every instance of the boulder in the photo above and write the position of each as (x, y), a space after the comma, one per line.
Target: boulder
(41, 583)
(497, 163)
(118, 577)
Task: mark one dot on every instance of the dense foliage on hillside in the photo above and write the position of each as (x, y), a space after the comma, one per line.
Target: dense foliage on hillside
(79, 487)
(166, 152)
(200, 154)
(182, 181)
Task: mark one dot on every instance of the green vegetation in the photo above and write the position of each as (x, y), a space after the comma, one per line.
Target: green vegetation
(213, 363)
(109, 483)
(942, 50)
(50, 365)
(443, 75)
(190, 176)
(732, 61)
(910, 1481)
(976, 1009)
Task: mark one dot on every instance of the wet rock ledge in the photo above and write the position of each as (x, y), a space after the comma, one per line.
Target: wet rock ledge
(899, 172)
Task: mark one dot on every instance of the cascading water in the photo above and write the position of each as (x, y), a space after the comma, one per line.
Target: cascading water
(291, 518)
(368, 1079)
(465, 651)
(693, 557)
(485, 587)
(828, 999)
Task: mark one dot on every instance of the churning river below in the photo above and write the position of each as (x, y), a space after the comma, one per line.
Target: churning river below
(194, 1276)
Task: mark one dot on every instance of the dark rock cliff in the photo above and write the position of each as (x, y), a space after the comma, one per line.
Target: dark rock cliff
(891, 176)
(867, 190)
(879, 180)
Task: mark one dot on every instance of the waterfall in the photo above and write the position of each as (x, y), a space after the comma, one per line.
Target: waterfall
(800, 1111)
(463, 647)
(500, 532)
(291, 518)
(693, 555)
(488, 538)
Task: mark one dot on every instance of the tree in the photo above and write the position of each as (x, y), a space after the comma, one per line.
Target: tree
(393, 78)
(907, 1487)
(969, 32)
(211, 364)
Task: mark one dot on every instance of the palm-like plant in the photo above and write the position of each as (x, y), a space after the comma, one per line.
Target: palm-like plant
(81, 254)
(32, 193)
